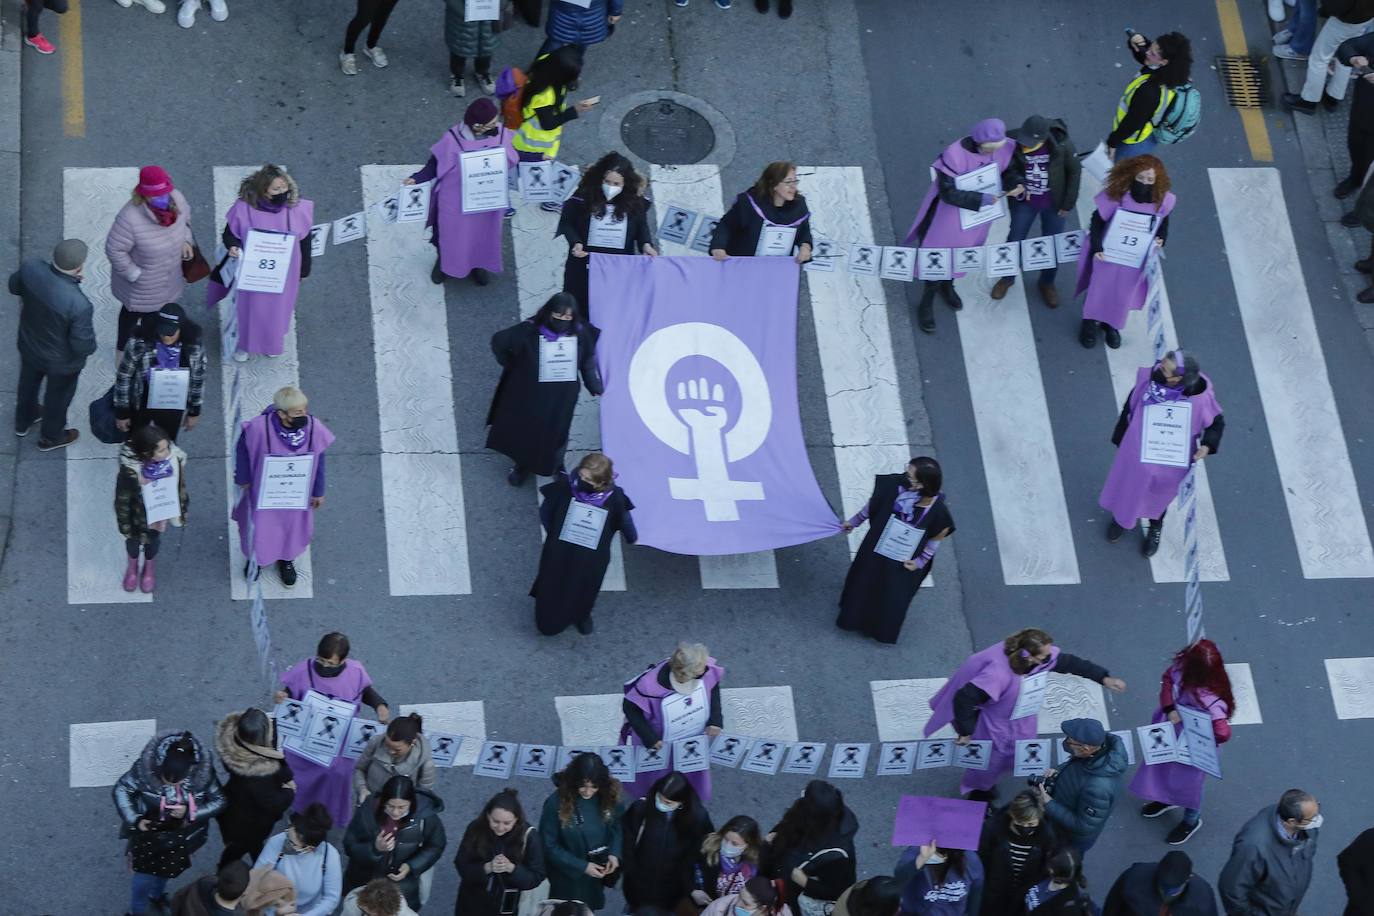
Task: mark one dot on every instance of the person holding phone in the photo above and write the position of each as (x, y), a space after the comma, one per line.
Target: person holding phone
(580, 825)
(544, 106)
(500, 858)
(398, 836)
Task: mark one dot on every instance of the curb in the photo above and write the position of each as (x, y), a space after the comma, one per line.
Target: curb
(11, 46)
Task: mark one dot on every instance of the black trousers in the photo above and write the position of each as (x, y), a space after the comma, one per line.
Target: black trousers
(56, 399)
(150, 549)
(375, 12)
(480, 65)
(35, 9)
(1360, 142)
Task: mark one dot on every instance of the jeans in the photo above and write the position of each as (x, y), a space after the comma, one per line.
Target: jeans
(145, 888)
(1127, 150)
(56, 399)
(1023, 217)
(1303, 25)
(1323, 54)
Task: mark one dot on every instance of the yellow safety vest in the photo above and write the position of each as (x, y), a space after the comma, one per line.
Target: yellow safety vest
(1165, 97)
(531, 138)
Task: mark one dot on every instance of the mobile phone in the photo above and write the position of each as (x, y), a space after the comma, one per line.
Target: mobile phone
(510, 902)
(593, 100)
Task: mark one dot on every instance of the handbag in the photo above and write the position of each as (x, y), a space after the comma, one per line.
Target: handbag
(197, 268)
(532, 899)
(166, 853)
(810, 906)
(102, 419)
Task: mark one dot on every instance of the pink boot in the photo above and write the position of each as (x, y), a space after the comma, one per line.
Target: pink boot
(131, 575)
(149, 577)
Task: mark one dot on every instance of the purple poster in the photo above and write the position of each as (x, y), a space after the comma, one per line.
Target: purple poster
(700, 411)
(954, 823)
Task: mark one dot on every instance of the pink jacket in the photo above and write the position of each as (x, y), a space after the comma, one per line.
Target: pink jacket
(725, 906)
(145, 258)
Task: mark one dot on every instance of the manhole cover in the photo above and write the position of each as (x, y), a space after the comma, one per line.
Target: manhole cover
(665, 132)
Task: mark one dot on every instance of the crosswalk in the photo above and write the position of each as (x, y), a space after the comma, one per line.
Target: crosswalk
(422, 472)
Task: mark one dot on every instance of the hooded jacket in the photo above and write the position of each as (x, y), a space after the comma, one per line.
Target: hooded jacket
(1136, 893)
(829, 873)
(1267, 874)
(138, 793)
(375, 766)
(1065, 170)
(256, 795)
(419, 844)
(1085, 791)
(130, 514)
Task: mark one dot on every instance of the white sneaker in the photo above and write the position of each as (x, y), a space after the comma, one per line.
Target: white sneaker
(487, 83)
(186, 16)
(154, 6)
(240, 356)
(376, 55)
(457, 87)
(1283, 36)
(219, 10)
(1276, 11)
(125, 3)
(348, 63)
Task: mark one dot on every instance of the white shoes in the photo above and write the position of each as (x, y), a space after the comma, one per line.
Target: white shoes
(1276, 11)
(125, 3)
(219, 10)
(240, 356)
(457, 87)
(348, 63)
(376, 55)
(186, 16)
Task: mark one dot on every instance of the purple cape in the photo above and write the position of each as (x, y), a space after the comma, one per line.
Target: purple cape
(944, 231)
(1115, 289)
(1178, 783)
(1134, 489)
(465, 240)
(278, 534)
(264, 318)
(331, 786)
(648, 694)
(991, 671)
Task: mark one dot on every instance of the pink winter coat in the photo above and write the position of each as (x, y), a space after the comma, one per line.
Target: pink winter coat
(145, 258)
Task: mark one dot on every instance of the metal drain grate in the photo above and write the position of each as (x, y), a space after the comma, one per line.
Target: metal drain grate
(1243, 82)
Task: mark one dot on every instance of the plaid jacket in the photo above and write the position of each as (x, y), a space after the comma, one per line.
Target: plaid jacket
(138, 358)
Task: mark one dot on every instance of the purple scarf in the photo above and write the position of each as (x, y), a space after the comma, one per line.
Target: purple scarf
(294, 438)
(753, 203)
(156, 470)
(551, 335)
(583, 494)
(904, 507)
(168, 357)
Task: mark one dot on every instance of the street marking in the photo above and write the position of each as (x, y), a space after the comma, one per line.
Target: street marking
(99, 753)
(1136, 351)
(902, 708)
(1025, 489)
(1251, 119)
(1352, 686)
(697, 188)
(73, 71)
(759, 712)
(259, 380)
(590, 720)
(467, 718)
(1318, 483)
(95, 548)
(422, 479)
(1247, 711)
(1070, 697)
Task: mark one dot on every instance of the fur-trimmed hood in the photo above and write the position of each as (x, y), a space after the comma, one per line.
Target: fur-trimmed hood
(240, 759)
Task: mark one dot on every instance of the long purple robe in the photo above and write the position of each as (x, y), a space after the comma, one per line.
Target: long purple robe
(278, 534)
(1135, 489)
(264, 318)
(331, 786)
(990, 670)
(1178, 783)
(944, 231)
(465, 240)
(648, 694)
(1114, 290)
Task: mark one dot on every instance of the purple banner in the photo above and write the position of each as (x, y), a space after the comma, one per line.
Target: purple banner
(700, 411)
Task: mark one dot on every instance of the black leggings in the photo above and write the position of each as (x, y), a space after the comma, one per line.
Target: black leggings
(35, 9)
(480, 65)
(150, 549)
(373, 11)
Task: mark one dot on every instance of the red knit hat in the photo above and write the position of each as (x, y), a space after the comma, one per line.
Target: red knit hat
(153, 181)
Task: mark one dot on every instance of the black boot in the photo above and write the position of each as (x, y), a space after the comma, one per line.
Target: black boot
(784, 8)
(1112, 336)
(1151, 545)
(925, 310)
(951, 294)
(480, 276)
(1087, 333)
(286, 571)
(1114, 532)
(517, 476)
(761, 5)
(436, 273)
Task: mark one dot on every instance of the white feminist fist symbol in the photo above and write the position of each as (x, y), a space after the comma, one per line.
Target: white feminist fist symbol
(695, 425)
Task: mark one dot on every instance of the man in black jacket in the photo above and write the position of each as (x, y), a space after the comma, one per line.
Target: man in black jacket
(1356, 864)
(56, 334)
(1148, 889)
(1047, 156)
(1358, 52)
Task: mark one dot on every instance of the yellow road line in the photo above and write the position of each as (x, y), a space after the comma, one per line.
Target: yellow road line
(73, 71)
(1252, 119)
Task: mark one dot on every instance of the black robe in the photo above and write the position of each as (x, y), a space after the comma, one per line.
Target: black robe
(878, 590)
(570, 575)
(530, 419)
(575, 225)
(738, 231)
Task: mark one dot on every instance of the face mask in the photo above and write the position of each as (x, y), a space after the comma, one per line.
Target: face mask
(161, 202)
(610, 191)
(741, 911)
(280, 198)
(664, 808)
(295, 422)
(559, 324)
(1316, 822)
(1158, 378)
(1142, 193)
(731, 851)
(328, 670)
(935, 859)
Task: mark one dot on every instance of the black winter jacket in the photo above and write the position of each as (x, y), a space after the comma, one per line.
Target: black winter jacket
(138, 793)
(828, 874)
(1004, 892)
(419, 844)
(1135, 894)
(658, 855)
(256, 794)
(56, 330)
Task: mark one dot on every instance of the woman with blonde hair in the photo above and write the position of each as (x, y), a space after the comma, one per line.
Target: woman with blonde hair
(581, 512)
(728, 858)
(147, 244)
(678, 697)
(270, 202)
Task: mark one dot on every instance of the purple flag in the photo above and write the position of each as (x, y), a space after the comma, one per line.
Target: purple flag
(700, 411)
(954, 823)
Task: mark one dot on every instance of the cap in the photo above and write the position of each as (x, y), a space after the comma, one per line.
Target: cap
(153, 181)
(481, 111)
(1085, 731)
(169, 319)
(69, 254)
(989, 130)
(1032, 131)
(1173, 872)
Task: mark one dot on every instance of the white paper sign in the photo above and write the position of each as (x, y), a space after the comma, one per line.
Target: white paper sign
(775, 241)
(286, 481)
(935, 754)
(1157, 743)
(606, 231)
(496, 759)
(565, 180)
(168, 389)
(566, 754)
(650, 759)
(849, 761)
(444, 747)
(897, 758)
(1004, 260)
(536, 181)
(691, 755)
(1033, 756)
(360, 731)
(765, 756)
(266, 262)
(804, 758)
(1201, 741)
(933, 264)
(701, 239)
(484, 177)
(583, 524)
(620, 760)
(390, 207)
(291, 716)
(1166, 434)
(973, 756)
(1068, 246)
(865, 260)
(898, 263)
(329, 722)
(536, 760)
(1128, 238)
(968, 260)
(677, 225)
(415, 201)
(986, 179)
(685, 716)
(1127, 743)
(824, 255)
(350, 228)
(558, 359)
(1098, 163)
(899, 540)
(319, 239)
(481, 10)
(728, 750)
(1037, 253)
(161, 500)
(1032, 695)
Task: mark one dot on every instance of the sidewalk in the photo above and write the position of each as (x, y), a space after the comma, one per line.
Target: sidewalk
(11, 44)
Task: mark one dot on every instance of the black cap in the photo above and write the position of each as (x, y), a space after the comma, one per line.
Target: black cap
(1173, 872)
(1032, 131)
(169, 319)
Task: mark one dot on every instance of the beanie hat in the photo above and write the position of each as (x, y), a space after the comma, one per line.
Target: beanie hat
(69, 254)
(481, 111)
(989, 130)
(153, 181)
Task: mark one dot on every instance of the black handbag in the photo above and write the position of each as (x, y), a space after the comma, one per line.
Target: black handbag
(103, 420)
(166, 853)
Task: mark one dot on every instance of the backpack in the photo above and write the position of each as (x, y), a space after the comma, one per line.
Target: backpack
(1181, 118)
(508, 90)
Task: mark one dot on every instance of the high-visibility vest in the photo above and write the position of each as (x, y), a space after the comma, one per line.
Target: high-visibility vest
(530, 137)
(1165, 97)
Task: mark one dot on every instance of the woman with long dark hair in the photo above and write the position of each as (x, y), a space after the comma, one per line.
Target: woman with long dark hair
(398, 835)
(500, 857)
(582, 832)
(1165, 64)
(544, 107)
(758, 896)
(161, 376)
(663, 832)
(1064, 889)
(1196, 680)
(769, 220)
(940, 882)
(727, 859)
(908, 519)
(151, 482)
(260, 787)
(607, 214)
(812, 848)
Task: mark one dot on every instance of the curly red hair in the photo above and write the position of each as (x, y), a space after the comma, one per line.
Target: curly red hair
(1119, 179)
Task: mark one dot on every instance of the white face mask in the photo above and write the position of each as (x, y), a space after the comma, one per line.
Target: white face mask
(1316, 822)
(611, 191)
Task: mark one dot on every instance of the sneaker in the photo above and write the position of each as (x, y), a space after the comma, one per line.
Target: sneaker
(1155, 809)
(681, 3)
(348, 63)
(124, 3)
(219, 10)
(1180, 834)
(38, 412)
(1151, 545)
(286, 570)
(456, 88)
(377, 56)
(1286, 52)
(153, 6)
(1283, 36)
(186, 16)
(1276, 11)
(487, 83)
(551, 206)
(46, 445)
(510, 213)
(723, 4)
(240, 356)
(40, 44)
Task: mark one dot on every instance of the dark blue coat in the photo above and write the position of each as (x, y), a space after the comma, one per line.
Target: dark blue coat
(570, 24)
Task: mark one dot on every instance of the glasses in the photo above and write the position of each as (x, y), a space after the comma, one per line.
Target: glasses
(790, 182)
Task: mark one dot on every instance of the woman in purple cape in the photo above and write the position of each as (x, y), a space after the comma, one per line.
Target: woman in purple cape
(677, 698)
(981, 698)
(937, 223)
(332, 673)
(1137, 488)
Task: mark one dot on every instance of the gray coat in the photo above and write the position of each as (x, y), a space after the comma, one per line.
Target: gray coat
(56, 332)
(467, 39)
(1267, 875)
